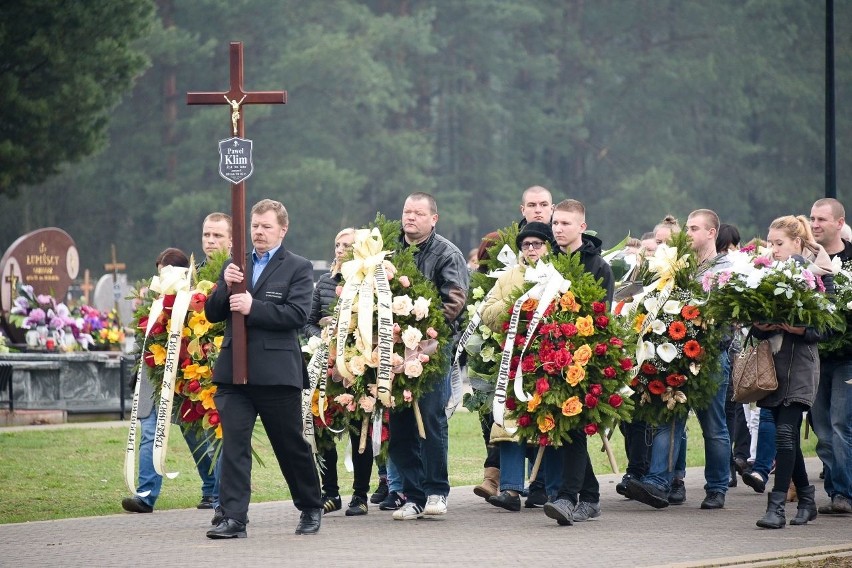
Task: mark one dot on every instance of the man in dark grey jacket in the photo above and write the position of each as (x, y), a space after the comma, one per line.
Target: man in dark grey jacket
(422, 464)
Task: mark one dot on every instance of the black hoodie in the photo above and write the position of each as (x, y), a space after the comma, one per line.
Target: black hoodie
(590, 256)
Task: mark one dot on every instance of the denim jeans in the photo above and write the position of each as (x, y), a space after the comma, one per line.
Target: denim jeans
(422, 464)
(202, 451)
(394, 479)
(832, 421)
(765, 454)
(717, 442)
(512, 458)
(667, 442)
(148, 479)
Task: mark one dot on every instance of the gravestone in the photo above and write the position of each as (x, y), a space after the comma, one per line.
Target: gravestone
(105, 294)
(46, 259)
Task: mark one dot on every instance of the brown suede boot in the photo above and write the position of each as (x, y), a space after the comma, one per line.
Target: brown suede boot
(490, 483)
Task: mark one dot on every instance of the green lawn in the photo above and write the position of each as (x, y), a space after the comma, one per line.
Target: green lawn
(54, 474)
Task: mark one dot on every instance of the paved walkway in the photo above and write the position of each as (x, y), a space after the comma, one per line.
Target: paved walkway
(473, 533)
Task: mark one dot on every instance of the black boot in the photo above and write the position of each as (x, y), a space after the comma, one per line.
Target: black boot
(807, 510)
(774, 517)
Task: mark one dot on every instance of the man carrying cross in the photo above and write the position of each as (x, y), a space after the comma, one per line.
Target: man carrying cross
(275, 305)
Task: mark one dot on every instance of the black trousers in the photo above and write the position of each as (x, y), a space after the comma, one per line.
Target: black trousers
(492, 455)
(578, 476)
(280, 411)
(637, 446)
(362, 467)
(737, 427)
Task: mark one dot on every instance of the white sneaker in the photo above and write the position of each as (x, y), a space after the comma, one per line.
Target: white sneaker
(408, 512)
(436, 505)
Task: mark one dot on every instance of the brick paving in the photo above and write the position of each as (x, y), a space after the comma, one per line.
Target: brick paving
(473, 533)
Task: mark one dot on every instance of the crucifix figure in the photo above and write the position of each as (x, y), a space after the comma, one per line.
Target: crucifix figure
(235, 97)
(12, 280)
(115, 266)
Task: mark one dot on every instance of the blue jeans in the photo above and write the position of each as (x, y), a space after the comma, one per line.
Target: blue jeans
(831, 415)
(422, 464)
(149, 480)
(394, 479)
(666, 444)
(717, 442)
(765, 454)
(202, 451)
(512, 469)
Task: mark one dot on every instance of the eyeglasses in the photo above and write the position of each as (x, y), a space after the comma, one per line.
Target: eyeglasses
(535, 245)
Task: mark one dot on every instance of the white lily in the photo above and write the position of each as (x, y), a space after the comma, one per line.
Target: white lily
(667, 352)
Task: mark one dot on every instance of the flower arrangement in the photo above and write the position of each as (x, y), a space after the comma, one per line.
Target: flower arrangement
(759, 289)
(200, 345)
(102, 330)
(331, 422)
(576, 364)
(30, 310)
(840, 342)
(677, 352)
(416, 330)
(483, 346)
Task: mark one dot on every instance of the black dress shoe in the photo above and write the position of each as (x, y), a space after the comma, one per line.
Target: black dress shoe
(621, 486)
(309, 522)
(206, 502)
(506, 500)
(218, 516)
(228, 528)
(647, 493)
(677, 494)
(136, 505)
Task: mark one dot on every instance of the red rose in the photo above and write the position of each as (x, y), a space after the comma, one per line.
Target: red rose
(596, 389)
(168, 302)
(213, 418)
(528, 364)
(505, 326)
(590, 429)
(601, 321)
(616, 342)
(196, 303)
(524, 420)
(542, 386)
(615, 400)
(609, 372)
(543, 441)
(648, 369)
(520, 339)
(194, 385)
(510, 403)
(568, 329)
(656, 387)
(591, 400)
(600, 349)
(598, 307)
(549, 311)
(562, 358)
(626, 364)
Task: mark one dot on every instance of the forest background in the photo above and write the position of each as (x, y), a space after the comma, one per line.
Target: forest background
(638, 108)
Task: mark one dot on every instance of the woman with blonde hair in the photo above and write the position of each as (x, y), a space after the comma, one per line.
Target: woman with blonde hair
(797, 370)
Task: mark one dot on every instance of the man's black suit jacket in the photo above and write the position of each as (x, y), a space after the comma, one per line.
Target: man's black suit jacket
(281, 302)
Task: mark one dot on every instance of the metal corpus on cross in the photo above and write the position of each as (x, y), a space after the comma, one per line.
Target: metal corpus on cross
(234, 98)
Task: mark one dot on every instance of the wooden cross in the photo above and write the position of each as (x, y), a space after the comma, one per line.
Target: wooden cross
(115, 266)
(233, 98)
(86, 287)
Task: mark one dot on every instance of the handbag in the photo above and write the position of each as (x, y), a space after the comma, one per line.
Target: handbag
(753, 373)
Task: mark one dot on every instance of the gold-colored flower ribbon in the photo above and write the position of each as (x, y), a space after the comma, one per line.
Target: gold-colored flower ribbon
(172, 280)
(130, 448)
(365, 276)
(548, 283)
